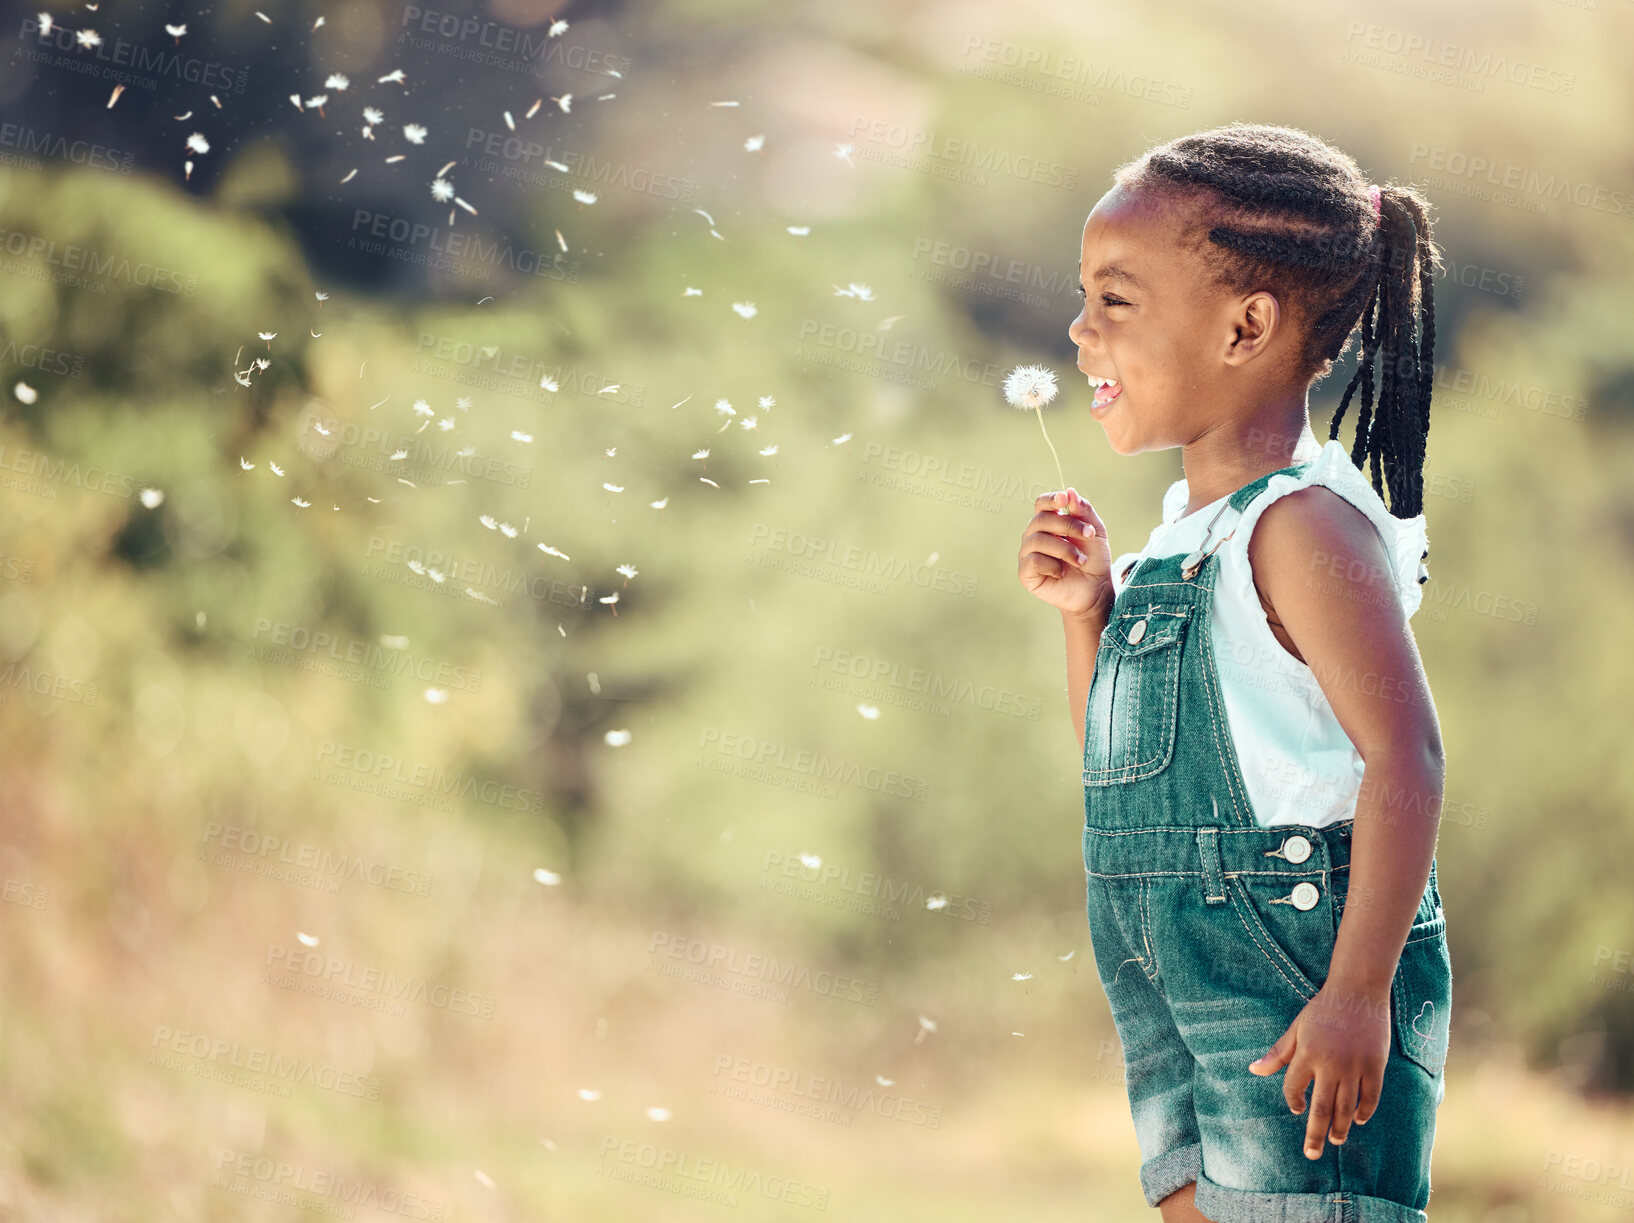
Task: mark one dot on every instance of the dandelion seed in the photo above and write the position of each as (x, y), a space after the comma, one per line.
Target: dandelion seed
(393, 642)
(609, 389)
(263, 16)
(268, 336)
(799, 231)
(399, 454)
(262, 363)
(518, 436)
(463, 205)
(556, 165)
(1021, 976)
(336, 80)
(25, 393)
(483, 1179)
(561, 241)
(152, 498)
(617, 738)
(436, 696)
(352, 173)
(317, 23)
(395, 75)
(114, 97)
(489, 521)
(871, 712)
(708, 481)
(936, 902)
(446, 423)
(507, 530)
(557, 28)
(175, 31)
(769, 451)
(47, 21)
(659, 504)
(746, 309)
(1068, 956)
(307, 940)
(549, 551)
(198, 143)
(371, 115)
(442, 190)
(274, 468)
(754, 144)
(658, 1114)
(926, 1024)
(298, 501)
(883, 1081)
(584, 197)
(317, 102)
(565, 102)
(629, 571)
(691, 292)
(245, 464)
(843, 152)
(841, 440)
(532, 110)
(1030, 387)
(768, 401)
(422, 408)
(725, 408)
(861, 292)
(589, 1093)
(549, 878)
(321, 295)
(88, 38)
(414, 133)
(613, 488)
(546, 382)
(510, 122)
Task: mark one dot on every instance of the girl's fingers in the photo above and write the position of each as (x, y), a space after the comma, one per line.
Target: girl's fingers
(1344, 1107)
(1316, 1128)
(1056, 546)
(1371, 1088)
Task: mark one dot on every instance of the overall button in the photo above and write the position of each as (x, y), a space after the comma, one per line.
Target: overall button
(1304, 896)
(1137, 632)
(1296, 849)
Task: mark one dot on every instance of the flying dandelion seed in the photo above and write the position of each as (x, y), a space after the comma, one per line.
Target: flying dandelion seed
(616, 738)
(589, 1093)
(1021, 976)
(549, 878)
(198, 143)
(483, 1179)
(658, 1114)
(307, 940)
(926, 1024)
(442, 190)
(436, 696)
(25, 393)
(871, 712)
(152, 498)
(584, 197)
(754, 144)
(414, 133)
(1030, 387)
(746, 309)
(336, 81)
(936, 903)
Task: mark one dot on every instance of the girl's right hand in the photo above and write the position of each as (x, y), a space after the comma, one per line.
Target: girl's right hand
(1065, 558)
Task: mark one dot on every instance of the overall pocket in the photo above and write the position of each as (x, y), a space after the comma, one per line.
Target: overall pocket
(1295, 946)
(1421, 995)
(1134, 696)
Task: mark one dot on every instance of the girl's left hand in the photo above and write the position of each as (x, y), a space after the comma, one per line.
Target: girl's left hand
(1342, 1041)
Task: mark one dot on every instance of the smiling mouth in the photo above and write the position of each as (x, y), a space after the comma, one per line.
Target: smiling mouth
(1106, 390)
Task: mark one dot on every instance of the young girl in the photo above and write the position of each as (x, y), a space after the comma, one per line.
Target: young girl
(1262, 764)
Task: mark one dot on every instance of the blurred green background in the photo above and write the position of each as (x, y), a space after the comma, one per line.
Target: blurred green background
(362, 857)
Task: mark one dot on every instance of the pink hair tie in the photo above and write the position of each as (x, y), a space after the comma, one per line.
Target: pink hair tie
(1373, 194)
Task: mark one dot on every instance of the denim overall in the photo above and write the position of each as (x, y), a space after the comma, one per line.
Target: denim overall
(1211, 934)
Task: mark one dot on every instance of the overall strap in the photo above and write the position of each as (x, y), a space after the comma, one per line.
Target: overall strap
(1240, 499)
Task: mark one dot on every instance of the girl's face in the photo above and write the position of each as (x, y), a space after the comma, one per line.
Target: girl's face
(1154, 321)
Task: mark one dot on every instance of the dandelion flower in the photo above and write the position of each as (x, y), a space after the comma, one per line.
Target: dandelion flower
(1030, 387)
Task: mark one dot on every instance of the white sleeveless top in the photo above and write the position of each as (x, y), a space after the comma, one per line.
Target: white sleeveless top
(1297, 762)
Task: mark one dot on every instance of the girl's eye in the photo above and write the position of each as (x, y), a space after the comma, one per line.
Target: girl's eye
(1109, 300)
(1081, 292)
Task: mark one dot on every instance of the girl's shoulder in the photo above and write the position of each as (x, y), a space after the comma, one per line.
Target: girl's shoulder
(1406, 540)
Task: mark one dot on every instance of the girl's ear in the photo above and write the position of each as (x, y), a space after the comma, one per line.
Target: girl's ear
(1252, 325)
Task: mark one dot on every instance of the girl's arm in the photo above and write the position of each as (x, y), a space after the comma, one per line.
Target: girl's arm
(1083, 632)
(1320, 563)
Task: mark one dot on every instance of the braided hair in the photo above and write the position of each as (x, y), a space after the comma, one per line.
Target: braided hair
(1280, 209)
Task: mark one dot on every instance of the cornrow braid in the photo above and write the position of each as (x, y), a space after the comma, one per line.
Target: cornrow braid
(1280, 209)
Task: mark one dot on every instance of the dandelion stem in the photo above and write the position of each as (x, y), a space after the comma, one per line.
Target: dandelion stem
(1058, 472)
